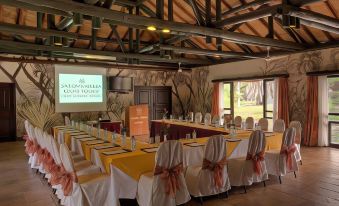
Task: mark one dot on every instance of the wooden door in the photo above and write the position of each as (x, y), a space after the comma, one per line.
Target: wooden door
(7, 111)
(156, 97)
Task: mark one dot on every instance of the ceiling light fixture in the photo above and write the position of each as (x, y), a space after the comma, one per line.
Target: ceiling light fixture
(151, 28)
(58, 41)
(166, 31)
(268, 58)
(179, 69)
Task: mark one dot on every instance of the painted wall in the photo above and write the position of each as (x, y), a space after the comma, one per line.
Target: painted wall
(295, 65)
(35, 92)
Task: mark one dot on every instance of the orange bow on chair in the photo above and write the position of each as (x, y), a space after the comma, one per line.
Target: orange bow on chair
(30, 147)
(217, 168)
(66, 182)
(57, 172)
(171, 176)
(256, 158)
(48, 162)
(289, 151)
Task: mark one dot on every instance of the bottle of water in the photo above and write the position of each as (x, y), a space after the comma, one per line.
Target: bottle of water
(194, 134)
(99, 130)
(114, 137)
(105, 135)
(133, 143)
(123, 138)
(165, 137)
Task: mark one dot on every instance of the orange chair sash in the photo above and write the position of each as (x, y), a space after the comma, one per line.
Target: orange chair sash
(289, 151)
(171, 178)
(66, 182)
(217, 169)
(56, 173)
(256, 158)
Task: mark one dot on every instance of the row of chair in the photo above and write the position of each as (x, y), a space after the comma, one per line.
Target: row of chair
(216, 174)
(75, 181)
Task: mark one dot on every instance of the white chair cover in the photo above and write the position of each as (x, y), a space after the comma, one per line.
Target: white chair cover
(237, 121)
(201, 179)
(67, 121)
(245, 171)
(297, 126)
(198, 117)
(227, 118)
(277, 161)
(249, 123)
(279, 126)
(208, 119)
(263, 123)
(93, 192)
(152, 188)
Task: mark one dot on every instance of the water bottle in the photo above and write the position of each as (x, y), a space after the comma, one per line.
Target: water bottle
(165, 137)
(99, 130)
(194, 134)
(105, 135)
(133, 143)
(123, 138)
(114, 137)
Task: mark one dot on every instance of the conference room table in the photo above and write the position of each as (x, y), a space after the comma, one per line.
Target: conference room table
(179, 129)
(126, 166)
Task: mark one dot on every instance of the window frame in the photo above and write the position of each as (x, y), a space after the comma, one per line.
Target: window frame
(265, 111)
(332, 122)
(231, 96)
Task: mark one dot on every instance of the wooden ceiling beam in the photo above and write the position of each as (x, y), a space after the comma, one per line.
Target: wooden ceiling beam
(143, 57)
(244, 7)
(204, 52)
(32, 7)
(198, 16)
(120, 17)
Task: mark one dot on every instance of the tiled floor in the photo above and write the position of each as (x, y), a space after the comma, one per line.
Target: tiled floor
(317, 183)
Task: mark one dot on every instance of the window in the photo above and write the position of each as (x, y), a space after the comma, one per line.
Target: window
(252, 98)
(333, 108)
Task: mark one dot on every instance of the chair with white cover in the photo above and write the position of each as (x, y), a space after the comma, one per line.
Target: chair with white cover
(198, 117)
(279, 126)
(91, 190)
(280, 162)
(252, 168)
(165, 186)
(207, 119)
(249, 123)
(263, 123)
(227, 118)
(237, 121)
(297, 140)
(211, 177)
(67, 121)
(29, 144)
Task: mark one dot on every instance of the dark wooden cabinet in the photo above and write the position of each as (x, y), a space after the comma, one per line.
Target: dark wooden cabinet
(7, 112)
(156, 97)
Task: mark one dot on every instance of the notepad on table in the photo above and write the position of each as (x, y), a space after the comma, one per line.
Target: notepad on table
(150, 150)
(194, 144)
(233, 140)
(104, 147)
(120, 151)
(82, 136)
(95, 142)
(88, 139)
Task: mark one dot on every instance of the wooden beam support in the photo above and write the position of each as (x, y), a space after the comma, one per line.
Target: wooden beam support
(270, 27)
(32, 7)
(170, 10)
(102, 54)
(204, 52)
(319, 26)
(250, 16)
(148, 11)
(197, 14)
(208, 18)
(244, 7)
(117, 37)
(313, 16)
(180, 28)
(218, 18)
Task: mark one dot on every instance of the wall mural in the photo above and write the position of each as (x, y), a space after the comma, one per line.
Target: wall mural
(35, 93)
(297, 66)
(191, 91)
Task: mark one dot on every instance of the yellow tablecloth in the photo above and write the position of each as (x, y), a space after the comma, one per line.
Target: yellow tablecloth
(138, 162)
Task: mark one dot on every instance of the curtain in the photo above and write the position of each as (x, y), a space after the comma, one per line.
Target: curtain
(312, 119)
(275, 103)
(323, 111)
(216, 99)
(283, 105)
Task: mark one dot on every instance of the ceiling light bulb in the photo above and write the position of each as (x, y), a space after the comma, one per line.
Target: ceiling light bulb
(165, 30)
(179, 69)
(151, 28)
